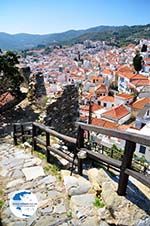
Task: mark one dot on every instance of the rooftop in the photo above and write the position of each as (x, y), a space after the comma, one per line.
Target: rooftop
(140, 103)
(116, 112)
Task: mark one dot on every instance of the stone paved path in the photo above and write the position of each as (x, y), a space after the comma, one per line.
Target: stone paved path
(21, 170)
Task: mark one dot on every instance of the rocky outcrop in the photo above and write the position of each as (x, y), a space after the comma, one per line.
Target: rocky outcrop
(118, 210)
(64, 112)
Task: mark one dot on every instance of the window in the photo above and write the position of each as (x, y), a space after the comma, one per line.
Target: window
(121, 79)
(142, 149)
(99, 103)
(105, 104)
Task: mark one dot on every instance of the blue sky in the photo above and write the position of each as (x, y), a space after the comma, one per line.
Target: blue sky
(50, 16)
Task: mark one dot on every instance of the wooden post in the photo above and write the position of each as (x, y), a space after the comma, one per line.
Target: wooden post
(80, 167)
(22, 134)
(33, 136)
(80, 138)
(47, 144)
(126, 164)
(80, 144)
(14, 134)
(90, 117)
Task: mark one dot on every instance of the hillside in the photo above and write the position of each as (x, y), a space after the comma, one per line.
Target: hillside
(118, 35)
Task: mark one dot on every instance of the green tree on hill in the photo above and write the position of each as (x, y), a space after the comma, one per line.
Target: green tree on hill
(10, 77)
(137, 62)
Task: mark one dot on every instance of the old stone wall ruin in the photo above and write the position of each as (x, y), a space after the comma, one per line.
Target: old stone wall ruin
(36, 87)
(62, 114)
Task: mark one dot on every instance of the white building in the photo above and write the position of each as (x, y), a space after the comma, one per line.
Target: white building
(142, 150)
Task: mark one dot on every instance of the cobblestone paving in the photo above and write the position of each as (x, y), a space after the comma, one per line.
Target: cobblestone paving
(65, 202)
(19, 170)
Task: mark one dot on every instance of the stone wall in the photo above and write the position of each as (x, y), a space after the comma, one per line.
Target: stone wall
(25, 72)
(39, 86)
(36, 87)
(62, 114)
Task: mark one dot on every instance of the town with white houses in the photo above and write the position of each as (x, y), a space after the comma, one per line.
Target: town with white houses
(75, 113)
(112, 93)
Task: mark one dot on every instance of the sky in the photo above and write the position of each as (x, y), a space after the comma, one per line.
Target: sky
(53, 16)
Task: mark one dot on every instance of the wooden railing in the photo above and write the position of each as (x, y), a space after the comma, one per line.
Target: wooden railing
(78, 144)
(20, 132)
(125, 165)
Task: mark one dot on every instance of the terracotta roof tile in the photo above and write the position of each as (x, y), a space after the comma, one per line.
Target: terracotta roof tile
(107, 71)
(5, 98)
(139, 104)
(124, 69)
(124, 96)
(116, 112)
(96, 107)
(139, 77)
(104, 123)
(139, 82)
(128, 75)
(101, 89)
(106, 99)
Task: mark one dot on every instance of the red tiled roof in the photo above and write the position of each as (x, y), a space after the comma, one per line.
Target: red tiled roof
(104, 123)
(106, 99)
(125, 96)
(107, 71)
(124, 127)
(116, 112)
(128, 75)
(124, 69)
(139, 77)
(147, 59)
(5, 98)
(139, 104)
(140, 82)
(96, 107)
(101, 89)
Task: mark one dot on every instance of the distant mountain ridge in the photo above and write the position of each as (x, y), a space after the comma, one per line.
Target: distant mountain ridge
(106, 33)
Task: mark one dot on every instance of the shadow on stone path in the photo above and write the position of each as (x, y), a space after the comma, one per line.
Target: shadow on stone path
(136, 196)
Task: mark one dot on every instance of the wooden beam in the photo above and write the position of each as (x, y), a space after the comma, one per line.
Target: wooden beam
(38, 140)
(47, 144)
(23, 123)
(22, 134)
(62, 154)
(54, 133)
(79, 145)
(139, 176)
(126, 164)
(33, 137)
(98, 157)
(80, 138)
(133, 137)
(14, 134)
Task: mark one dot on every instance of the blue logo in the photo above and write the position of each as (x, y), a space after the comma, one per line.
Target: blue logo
(23, 204)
